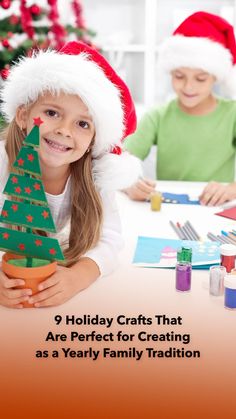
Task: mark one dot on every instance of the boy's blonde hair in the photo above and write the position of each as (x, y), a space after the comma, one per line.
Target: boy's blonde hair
(86, 206)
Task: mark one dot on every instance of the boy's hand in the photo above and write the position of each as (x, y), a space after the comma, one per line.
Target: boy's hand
(9, 296)
(141, 190)
(215, 194)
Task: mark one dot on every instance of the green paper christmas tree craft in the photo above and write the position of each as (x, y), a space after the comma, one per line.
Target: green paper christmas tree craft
(32, 212)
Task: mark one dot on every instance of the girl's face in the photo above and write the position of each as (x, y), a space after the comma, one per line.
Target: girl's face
(67, 129)
(192, 86)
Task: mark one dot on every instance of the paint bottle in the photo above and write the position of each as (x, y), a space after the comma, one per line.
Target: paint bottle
(227, 256)
(156, 199)
(217, 274)
(230, 291)
(184, 254)
(183, 270)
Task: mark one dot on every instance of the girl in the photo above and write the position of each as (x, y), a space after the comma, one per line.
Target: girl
(195, 134)
(86, 109)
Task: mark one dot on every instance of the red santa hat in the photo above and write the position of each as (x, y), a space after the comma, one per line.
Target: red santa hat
(78, 69)
(203, 41)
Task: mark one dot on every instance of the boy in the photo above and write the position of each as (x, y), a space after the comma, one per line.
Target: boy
(196, 132)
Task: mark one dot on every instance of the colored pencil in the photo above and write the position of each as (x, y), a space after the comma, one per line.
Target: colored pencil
(224, 239)
(197, 237)
(230, 236)
(214, 238)
(177, 230)
(182, 231)
(191, 234)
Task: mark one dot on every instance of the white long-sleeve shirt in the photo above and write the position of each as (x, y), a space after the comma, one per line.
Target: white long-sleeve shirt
(105, 253)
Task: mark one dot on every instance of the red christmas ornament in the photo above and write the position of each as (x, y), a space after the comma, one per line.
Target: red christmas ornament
(57, 29)
(26, 19)
(5, 43)
(30, 31)
(4, 73)
(77, 8)
(6, 4)
(35, 9)
(13, 19)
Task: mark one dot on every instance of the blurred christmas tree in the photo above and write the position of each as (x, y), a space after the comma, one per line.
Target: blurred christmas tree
(28, 25)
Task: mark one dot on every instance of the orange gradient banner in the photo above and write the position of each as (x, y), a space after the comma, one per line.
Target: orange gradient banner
(120, 387)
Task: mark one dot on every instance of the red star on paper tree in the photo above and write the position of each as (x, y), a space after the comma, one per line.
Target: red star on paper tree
(37, 187)
(28, 190)
(30, 157)
(38, 121)
(14, 179)
(45, 214)
(14, 207)
(20, 162)
(52, 251)
(5, 236)
(4, 214)
(18, 189)
(29, 218)
(38, 242)
(21, 246)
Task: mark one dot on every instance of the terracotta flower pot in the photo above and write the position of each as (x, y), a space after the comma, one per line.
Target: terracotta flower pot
(32, 276)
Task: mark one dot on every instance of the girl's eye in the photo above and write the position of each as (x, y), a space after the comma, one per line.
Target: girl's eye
(83, 124)
(51, 112)
(201, 80)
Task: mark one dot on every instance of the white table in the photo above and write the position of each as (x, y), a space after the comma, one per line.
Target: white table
(156, 388)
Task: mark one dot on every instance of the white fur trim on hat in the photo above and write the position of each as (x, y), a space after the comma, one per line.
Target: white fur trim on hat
(114, 171)
(72, 74)
(195, 52)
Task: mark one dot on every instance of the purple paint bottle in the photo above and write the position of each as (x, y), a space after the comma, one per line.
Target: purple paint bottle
(183, 270)
(183, 276)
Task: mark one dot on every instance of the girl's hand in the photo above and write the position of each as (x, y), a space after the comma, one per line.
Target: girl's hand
(216, 194)
(141, 190)
(9, 296)
(65, 283)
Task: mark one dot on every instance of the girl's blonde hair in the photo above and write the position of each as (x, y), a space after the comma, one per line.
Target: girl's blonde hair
(86, 207)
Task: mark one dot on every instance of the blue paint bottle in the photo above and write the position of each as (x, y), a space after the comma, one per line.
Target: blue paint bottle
(230, 291)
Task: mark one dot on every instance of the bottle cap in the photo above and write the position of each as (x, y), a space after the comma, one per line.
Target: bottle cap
(228, 249)
(184, 254)
(230, 281)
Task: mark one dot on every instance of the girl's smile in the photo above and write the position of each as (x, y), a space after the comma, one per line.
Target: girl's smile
(57, 147)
